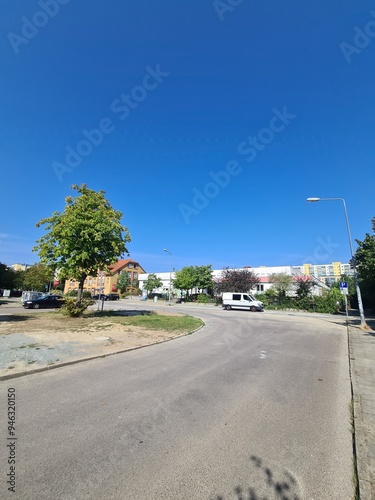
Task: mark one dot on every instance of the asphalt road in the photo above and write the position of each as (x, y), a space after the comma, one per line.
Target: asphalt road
(253, 406)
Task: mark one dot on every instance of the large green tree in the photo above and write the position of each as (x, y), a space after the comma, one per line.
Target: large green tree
(8, 277)
(282, 283)
(123, 282)
(86, 237)
(365, 262)
(236, 280)
(304, 286)
(191, 277)
(152, 282)
(37, 277)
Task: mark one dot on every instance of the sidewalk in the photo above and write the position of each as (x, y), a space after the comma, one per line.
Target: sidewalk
(362, 359)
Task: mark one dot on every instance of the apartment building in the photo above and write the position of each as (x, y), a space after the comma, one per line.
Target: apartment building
(326, 273)
(263, 273)
(106, 282)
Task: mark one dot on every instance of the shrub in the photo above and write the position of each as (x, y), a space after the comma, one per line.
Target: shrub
(203, 298)
(75, 309)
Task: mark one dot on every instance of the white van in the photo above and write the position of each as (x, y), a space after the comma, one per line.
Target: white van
(234, 300)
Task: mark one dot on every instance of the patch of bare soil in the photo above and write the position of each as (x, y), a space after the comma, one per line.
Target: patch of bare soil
(36, 340)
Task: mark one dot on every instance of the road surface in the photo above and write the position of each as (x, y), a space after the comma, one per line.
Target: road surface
(253, 406)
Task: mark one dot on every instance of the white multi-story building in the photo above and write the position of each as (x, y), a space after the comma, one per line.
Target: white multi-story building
(326, 273)
(263, 273)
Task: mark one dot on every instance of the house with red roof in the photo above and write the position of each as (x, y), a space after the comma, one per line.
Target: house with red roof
(106, 281)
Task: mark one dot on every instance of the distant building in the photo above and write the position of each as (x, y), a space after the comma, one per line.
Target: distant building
(20, 267)
(263, 273)
(106, 282)
(326, 273)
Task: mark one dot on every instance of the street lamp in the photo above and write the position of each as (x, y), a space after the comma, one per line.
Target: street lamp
(170, 275)
(360, 305)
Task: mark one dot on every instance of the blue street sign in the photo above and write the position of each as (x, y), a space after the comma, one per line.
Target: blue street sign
(344, 287)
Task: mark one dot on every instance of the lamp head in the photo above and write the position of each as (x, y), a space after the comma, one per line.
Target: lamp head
(313, 200)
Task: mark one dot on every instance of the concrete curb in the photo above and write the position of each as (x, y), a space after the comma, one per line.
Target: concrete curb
(362, 440)
(89, 358)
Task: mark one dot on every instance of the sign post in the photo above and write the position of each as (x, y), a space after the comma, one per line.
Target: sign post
(344, 292)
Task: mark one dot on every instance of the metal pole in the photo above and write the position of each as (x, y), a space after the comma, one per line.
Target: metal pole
(360, 305)
(170, 276)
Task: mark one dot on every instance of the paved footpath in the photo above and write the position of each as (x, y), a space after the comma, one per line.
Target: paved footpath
(362, 358)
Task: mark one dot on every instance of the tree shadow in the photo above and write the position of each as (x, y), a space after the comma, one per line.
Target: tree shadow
(16, 318)
(122, 312)
(283, 488)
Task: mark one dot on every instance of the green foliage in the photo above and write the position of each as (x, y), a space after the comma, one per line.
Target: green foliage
(152, 282)
(87, 236)
(304, 286)
(282, 283)
(305, 303)
(9, 279)
(203, 298)
(75, 309)
(327, 303)
(269, 297)
(365, 263)
(123, 282)
(234, 280)
(37, 277)
(190, 277)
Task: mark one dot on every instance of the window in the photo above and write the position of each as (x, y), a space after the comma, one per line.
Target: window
(130, 265)
(236, 296)
(135, 275)
(260, 288)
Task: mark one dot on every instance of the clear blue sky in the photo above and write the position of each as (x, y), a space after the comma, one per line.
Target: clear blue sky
(182, 91)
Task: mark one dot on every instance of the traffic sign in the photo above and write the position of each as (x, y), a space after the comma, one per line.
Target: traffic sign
(344, 287)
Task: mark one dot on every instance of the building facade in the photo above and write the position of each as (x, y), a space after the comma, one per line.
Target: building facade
(263, 273)
(327, 273)
(106, 282)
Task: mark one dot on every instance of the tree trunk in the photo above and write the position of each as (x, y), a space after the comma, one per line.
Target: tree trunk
(80, 288)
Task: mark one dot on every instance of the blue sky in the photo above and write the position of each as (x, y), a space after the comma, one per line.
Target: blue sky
(207, 123)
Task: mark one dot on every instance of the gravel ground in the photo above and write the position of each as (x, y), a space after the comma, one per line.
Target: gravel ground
(20, 349)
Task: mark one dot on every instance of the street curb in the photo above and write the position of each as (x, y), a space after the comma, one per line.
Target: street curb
(360, 444)
(81, 360)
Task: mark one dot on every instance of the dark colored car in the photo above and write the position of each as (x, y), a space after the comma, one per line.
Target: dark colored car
(108, 296)
(112, 296)
(49, 301)
(99, 296)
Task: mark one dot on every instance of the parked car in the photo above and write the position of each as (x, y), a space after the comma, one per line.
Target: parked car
(112, 296)
(241, 301)
(108, 296)
(99, 296)
(49, 301)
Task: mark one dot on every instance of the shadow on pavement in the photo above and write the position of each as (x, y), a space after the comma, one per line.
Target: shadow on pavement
(15, 318)
(283, 489)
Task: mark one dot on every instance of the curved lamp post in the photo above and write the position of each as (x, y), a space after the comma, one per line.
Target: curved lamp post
(170, 274)
(360, 305)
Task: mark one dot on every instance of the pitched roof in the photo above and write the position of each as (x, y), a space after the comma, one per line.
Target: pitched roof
(117, 266)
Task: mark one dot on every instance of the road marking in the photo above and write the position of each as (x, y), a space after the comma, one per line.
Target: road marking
(262, 354)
